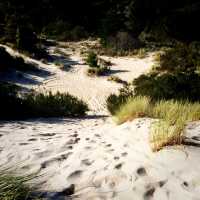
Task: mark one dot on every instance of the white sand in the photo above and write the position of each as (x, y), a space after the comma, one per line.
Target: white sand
(103, 160)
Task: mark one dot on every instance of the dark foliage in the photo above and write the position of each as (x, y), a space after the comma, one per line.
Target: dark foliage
(92, 60)
(179, 85)
(181, 58)
(20, 20)
(34, 105)
(114, 102)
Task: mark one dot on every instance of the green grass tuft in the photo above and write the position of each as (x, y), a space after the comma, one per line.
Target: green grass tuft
(14, 187)
(172, 117)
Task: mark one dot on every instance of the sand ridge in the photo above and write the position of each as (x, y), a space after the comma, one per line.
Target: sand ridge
(104, 161)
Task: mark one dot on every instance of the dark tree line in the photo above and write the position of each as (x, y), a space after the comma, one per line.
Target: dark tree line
(22, 20)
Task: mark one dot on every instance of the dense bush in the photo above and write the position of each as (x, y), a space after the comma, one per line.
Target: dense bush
(54, 105)
(181, 58)
(169, 86)
(121, 44)
(63, 31)
(114, 102)
(92, 60)
(8, 62)
(34, 104)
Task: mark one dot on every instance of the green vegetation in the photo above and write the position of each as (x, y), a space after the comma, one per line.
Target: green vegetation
(175, 76)
(134, 107)
(92, 60)
(172, 118)
(32, 105)
(178, 85)
(181, 58)
(14, 187)
(116, 79)
(121, 25)
(97, 71)
(170, 94)
(8, 62)
(96, 66)
(114, 102)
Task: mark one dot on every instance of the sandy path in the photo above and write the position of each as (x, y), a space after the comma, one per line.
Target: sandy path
(103, 160)
(94, 90)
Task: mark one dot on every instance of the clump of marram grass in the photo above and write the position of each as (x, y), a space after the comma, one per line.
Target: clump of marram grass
(135, 107)
(14, 187)
(172, 117)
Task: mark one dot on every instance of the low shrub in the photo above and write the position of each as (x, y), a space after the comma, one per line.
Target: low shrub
(92, 60)
(32, 105)
(116, 79)
(178, 85)
(181, 58)
(54, 105)
(97, 71)
(97, 66)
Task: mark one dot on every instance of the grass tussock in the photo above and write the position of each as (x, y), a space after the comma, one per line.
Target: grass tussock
(172, 118)
(14, 187)
(133, 108)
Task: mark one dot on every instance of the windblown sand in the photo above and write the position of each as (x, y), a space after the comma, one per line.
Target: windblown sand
(103, 160)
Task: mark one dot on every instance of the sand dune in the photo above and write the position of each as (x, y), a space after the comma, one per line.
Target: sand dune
(102, 160)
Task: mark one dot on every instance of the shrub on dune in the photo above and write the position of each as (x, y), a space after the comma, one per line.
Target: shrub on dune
(34, 104)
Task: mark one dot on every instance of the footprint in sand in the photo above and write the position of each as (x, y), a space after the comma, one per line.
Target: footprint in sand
(97, 135)
(32, 139)
(23, 144)
(55, 160)
(124, 154)
(74, 136)
(116, 158)
(47, 134)
(149, 193)
(87, 162)
(119, 166)
(141, 171)
(75, 174)
(88, 148)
